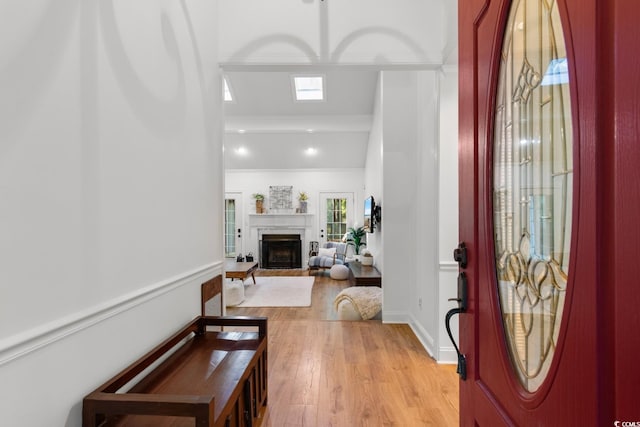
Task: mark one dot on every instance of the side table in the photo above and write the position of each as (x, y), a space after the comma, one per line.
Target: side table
(364, 275)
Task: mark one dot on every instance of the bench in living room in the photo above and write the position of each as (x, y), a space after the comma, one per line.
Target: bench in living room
(213, 377)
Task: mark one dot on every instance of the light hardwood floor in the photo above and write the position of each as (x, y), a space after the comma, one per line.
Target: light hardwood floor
(326, 372)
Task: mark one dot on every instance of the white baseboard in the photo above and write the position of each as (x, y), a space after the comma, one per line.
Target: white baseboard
(395, 317)
(447, 355)
(427, 341)
(31, 340)
(443, 354)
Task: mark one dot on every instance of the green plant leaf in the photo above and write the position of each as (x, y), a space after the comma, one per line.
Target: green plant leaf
(355, 238)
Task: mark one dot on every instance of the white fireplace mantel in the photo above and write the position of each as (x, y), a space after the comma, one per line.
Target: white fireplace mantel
(281, 220)
(280, 223)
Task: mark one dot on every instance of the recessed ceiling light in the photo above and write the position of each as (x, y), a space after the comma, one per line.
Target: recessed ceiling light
(241, 151)
(308, 88)
(311, 151)
(241, 131)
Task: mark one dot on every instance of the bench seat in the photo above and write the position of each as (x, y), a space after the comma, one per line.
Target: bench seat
(217, 377)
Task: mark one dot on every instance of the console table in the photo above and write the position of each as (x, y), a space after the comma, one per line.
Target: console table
(364, 275)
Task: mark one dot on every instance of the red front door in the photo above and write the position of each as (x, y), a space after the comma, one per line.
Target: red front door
(549, 211)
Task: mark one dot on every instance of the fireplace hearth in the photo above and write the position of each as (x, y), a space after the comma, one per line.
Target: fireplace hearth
(280, 251)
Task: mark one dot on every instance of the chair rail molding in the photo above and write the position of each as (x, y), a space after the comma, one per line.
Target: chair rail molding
(448, 265)
(29, 341)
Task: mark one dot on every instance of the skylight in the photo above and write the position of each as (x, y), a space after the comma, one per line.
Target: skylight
(308, 88)
(228, 96)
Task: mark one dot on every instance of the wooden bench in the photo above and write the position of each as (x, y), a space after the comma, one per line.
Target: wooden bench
(218, 378)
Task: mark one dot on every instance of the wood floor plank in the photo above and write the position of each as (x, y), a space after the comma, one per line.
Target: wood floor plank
(325, 372)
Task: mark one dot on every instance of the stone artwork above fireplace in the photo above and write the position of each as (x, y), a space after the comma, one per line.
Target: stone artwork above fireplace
(280, 198)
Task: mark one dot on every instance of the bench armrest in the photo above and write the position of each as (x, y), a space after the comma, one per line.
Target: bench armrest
(202, 407)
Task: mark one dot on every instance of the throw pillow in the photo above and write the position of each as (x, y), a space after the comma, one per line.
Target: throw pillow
(327, 252)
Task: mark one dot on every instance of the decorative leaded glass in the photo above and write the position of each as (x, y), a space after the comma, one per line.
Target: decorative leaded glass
(532, 185)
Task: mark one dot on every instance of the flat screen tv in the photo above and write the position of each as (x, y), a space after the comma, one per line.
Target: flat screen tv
(369, 219)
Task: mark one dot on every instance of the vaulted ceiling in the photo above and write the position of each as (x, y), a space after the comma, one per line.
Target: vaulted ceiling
(267, 128)
(348, 42)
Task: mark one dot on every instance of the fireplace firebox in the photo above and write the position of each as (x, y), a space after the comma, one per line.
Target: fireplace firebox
(280, 251)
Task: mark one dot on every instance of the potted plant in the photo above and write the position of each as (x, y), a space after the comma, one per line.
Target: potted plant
(259, 202)
(367, 258)
(355, 238)
(302, 198)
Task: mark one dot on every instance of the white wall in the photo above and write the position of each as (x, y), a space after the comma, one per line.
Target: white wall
(312, 181)
(448, 208)
(374, 178)
(450, 24)
(399, 135)
(424, 307)
(110, 188)
(420, 111)
(409, 211)
(314, 31)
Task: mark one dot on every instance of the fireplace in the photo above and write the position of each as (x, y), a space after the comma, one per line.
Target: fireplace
(280, 251)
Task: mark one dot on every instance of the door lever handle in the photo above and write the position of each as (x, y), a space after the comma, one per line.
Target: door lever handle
(462, 362)
(462, 307)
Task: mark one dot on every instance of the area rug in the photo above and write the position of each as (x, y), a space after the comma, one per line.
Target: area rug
(278, 291)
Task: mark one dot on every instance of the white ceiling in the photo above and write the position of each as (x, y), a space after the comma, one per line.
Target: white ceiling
(349, 42)
(267, 129)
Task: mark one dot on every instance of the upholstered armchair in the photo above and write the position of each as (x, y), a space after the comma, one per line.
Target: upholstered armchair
(330, 254)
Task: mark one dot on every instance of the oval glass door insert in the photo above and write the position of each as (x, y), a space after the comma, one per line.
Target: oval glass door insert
(532, 186)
